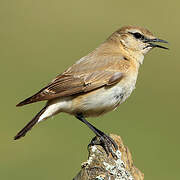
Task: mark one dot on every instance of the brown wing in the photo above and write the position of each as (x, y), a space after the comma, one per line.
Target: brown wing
(82, 77)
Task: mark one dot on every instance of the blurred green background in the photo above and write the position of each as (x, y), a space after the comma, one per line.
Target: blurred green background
(40, 39)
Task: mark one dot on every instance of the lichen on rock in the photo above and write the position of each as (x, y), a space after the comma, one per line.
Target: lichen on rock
(99, 166)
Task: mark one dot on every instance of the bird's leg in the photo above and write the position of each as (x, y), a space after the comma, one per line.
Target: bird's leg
(105, 141)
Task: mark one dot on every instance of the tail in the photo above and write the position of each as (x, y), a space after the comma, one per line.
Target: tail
(28, 127)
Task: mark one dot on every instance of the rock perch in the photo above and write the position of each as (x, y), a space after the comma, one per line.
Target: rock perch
(101, 167)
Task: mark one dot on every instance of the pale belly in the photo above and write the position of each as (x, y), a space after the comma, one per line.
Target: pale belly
(93, 103)
(102, 100)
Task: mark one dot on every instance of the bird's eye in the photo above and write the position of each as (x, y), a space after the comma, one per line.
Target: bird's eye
(138, 35)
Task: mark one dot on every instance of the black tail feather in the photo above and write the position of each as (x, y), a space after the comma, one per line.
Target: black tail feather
(28, 127)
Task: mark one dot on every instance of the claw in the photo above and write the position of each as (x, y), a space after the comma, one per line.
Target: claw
(106, 142)
(112, 142)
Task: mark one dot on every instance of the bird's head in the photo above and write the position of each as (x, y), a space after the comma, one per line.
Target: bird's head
(137, 39)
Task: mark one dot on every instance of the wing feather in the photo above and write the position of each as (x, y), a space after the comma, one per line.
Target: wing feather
(81, 78)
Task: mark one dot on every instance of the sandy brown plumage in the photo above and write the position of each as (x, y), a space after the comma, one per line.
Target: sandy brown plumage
(97, 83)
(93, 72)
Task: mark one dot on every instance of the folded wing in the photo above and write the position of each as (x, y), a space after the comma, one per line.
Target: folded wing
(81, 78)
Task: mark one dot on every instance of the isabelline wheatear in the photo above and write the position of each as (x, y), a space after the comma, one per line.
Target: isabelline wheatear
(98, 82)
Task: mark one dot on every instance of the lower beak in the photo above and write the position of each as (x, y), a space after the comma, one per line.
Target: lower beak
(156, 45)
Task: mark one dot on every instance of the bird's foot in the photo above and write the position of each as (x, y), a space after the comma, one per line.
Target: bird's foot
(106, 142)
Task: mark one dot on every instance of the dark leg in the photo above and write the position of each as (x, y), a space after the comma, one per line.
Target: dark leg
(105, 141)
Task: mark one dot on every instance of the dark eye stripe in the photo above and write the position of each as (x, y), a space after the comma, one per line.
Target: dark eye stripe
(137, 35)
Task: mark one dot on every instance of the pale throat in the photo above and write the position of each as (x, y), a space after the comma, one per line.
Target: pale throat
(139, 58)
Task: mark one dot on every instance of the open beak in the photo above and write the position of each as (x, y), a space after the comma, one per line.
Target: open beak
(150, 41)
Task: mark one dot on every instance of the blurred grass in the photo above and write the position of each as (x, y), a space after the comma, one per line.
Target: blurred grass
(39, 39)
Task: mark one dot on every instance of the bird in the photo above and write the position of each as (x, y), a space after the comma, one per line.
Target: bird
(97, 83)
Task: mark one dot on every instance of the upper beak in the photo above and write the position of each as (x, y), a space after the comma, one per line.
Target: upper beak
(156, 45)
